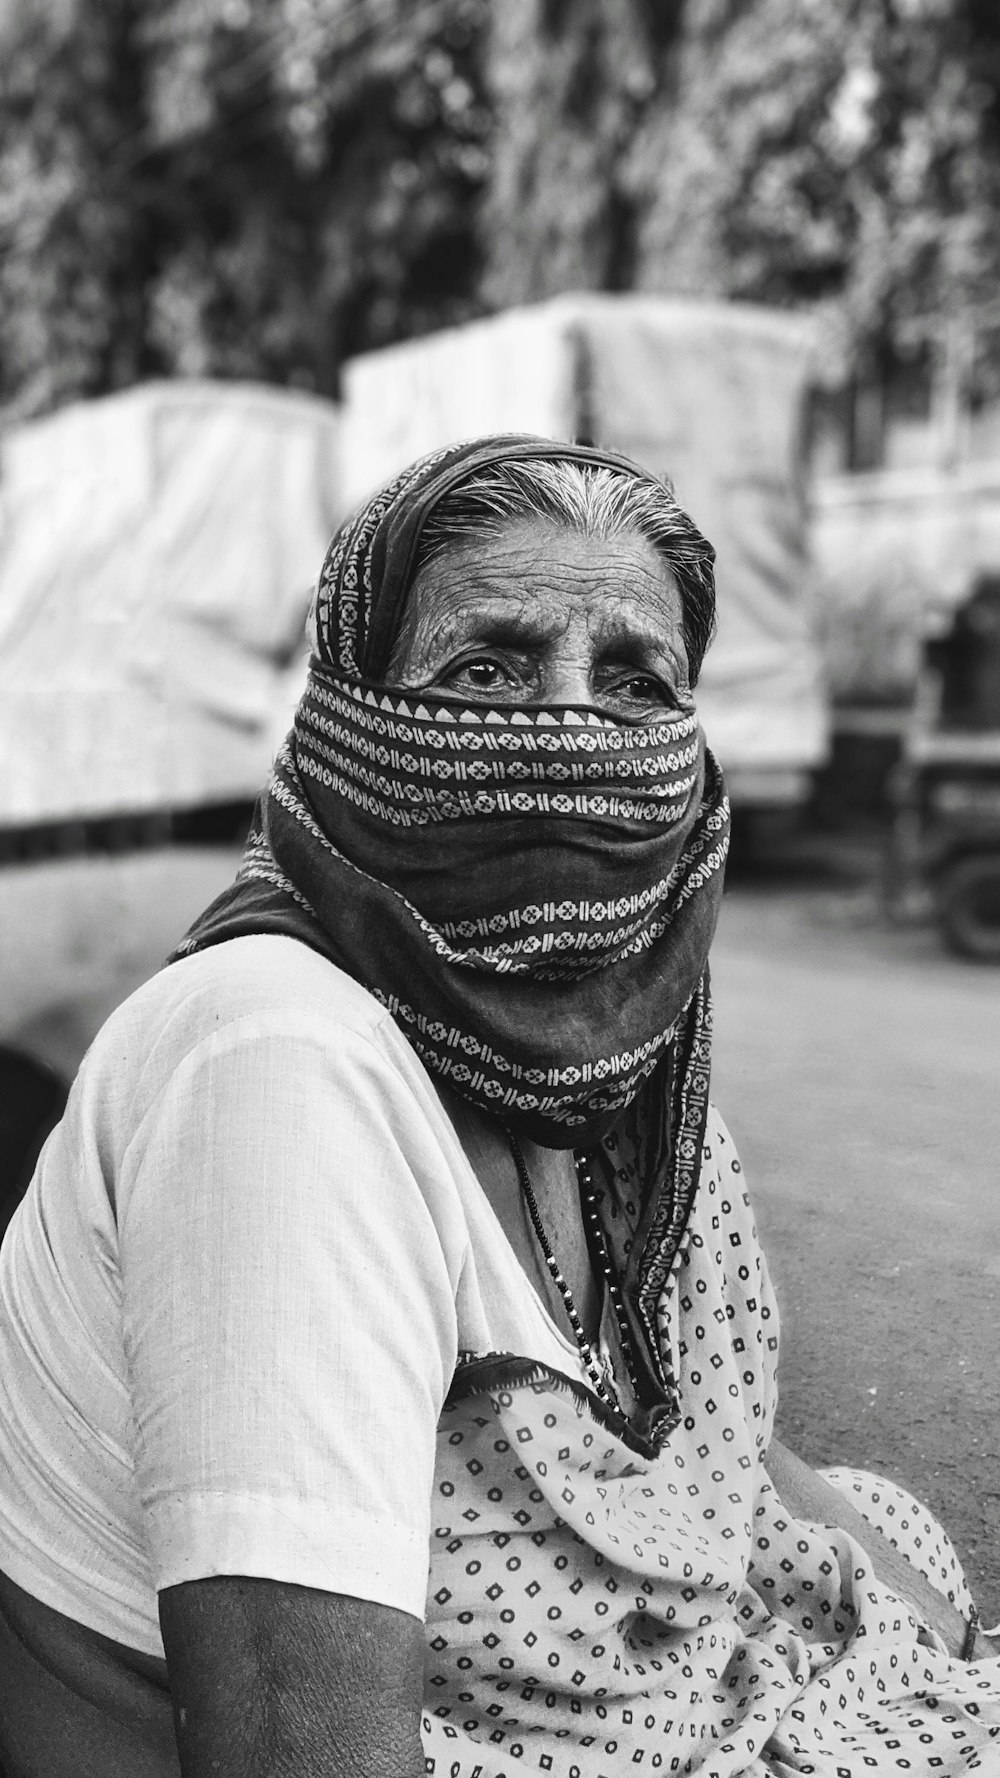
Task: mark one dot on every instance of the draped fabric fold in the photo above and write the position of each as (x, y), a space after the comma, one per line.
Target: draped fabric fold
(530, 892)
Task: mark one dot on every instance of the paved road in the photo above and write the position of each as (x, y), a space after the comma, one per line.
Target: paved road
(859, 1070)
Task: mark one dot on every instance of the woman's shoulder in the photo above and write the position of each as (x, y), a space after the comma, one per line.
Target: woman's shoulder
(262, 1030)
(260, 996)
(259, 976)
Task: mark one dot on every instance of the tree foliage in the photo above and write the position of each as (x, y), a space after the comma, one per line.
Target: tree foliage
(567, 80)
(259, 187)
(843, 155)
(230, 187)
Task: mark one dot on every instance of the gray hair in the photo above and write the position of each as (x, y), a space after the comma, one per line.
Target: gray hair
(595, 500)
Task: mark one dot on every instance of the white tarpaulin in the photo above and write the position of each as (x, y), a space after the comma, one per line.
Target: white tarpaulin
(157, 550)
(710, 394)
(896, 551)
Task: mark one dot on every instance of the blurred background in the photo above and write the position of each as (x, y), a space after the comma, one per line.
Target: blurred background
(255, 255)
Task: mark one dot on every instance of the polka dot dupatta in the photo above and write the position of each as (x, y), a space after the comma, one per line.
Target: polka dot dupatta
(592, 1612)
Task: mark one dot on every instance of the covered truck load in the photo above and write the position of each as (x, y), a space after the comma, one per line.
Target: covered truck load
(711, 395)
(157, 550)
(156, 553)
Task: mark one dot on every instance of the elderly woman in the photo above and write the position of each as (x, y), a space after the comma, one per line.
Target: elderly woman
(386, 1352)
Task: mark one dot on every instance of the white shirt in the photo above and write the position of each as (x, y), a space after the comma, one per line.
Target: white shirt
(230, 1310)
(231, 1303)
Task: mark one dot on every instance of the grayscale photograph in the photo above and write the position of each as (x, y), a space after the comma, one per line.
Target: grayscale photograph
(499, 888)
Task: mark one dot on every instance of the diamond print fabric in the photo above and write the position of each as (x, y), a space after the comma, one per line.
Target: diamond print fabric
(591, 1611)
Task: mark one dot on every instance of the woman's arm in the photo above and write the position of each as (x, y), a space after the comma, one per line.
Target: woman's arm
(270, 1679)
(808, 1496)
(290, 1322)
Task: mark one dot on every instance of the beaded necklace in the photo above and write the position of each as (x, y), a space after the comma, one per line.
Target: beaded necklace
(601, 1379)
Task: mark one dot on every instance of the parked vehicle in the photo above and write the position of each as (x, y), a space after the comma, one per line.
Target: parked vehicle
(713, 395)
(895, 552)
(946, 835)
(156, 554)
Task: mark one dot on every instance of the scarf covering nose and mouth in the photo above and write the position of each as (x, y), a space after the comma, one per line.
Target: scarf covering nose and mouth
(530, 892)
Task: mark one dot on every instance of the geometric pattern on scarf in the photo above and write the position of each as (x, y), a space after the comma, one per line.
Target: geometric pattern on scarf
(639, 1109)
(353, 796)
(403, 766)
(530, 893)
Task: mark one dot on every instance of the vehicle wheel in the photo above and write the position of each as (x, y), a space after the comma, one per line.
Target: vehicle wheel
(968, 896)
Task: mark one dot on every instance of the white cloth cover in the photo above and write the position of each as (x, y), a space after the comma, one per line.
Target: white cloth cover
(157, 552)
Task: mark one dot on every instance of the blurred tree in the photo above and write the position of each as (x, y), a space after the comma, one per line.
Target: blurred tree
(844, 155)
(258, 187)
(568, 81)
(72, 260)
(230, 187)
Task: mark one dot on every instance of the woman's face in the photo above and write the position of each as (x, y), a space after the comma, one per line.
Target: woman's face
(541, 615)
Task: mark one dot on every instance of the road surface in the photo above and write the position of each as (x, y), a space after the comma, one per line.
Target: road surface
(858, 1068)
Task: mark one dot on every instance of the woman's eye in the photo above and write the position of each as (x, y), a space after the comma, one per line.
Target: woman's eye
(642, 688)
(649, 691)
(484, 674)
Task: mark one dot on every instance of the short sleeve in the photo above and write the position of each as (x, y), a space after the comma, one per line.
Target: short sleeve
(288, 1302)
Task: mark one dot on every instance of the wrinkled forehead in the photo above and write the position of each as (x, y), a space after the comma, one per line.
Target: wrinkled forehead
(368, 573)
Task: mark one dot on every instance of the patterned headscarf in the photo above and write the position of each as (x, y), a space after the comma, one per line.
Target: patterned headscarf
(531, 893)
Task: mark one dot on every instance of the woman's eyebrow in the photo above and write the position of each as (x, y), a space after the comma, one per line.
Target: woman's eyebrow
(501, 620)
(638, 637)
